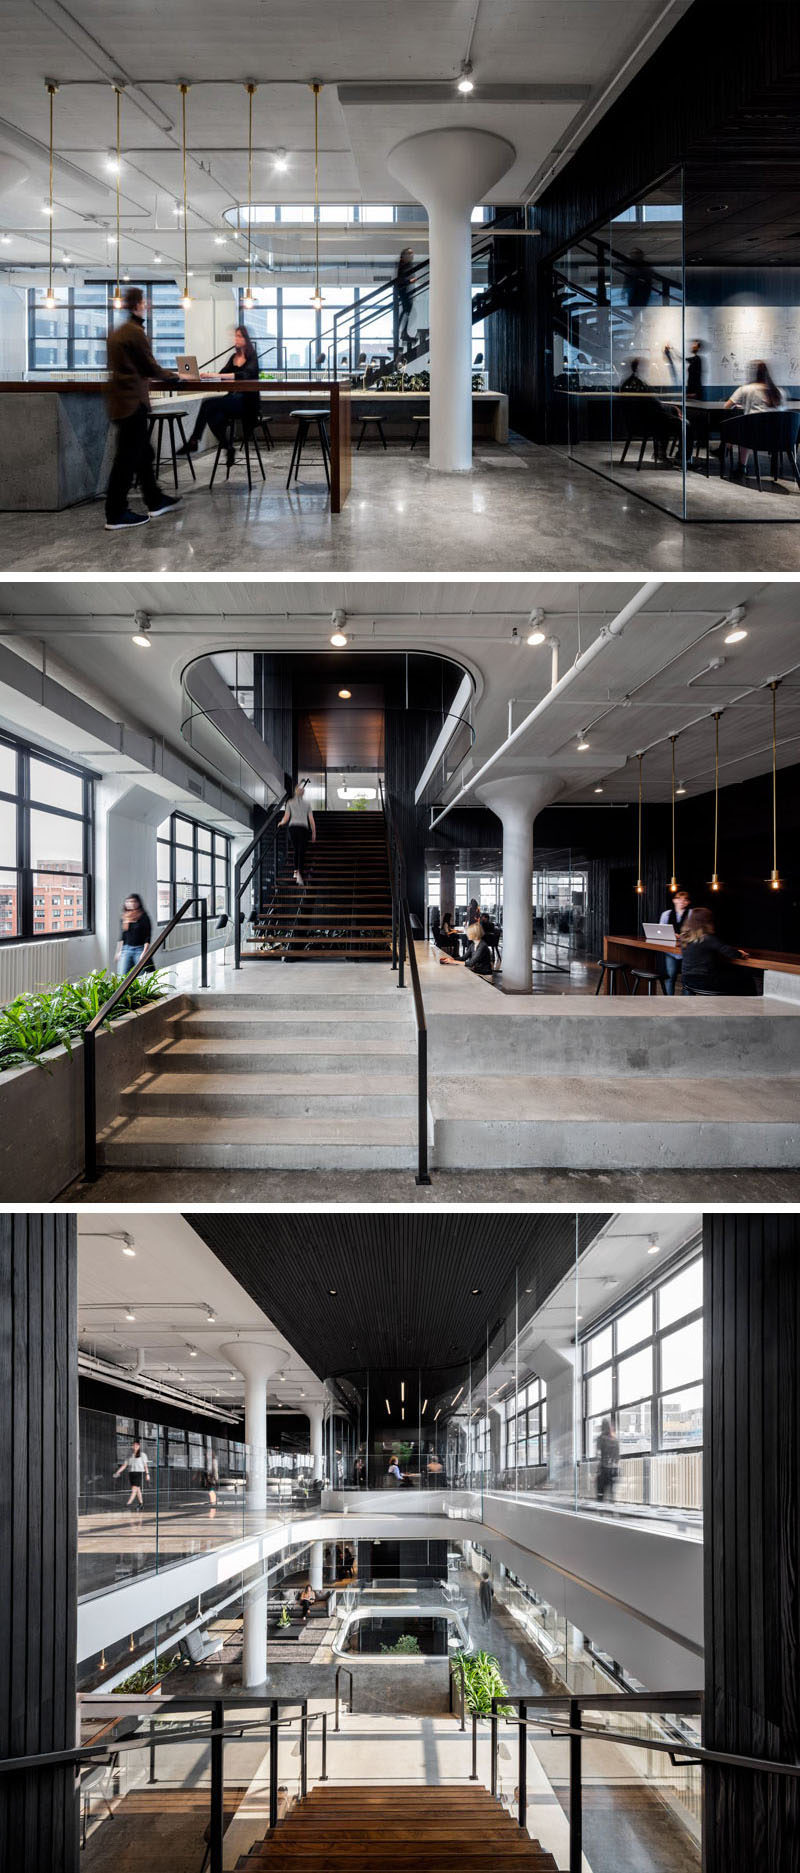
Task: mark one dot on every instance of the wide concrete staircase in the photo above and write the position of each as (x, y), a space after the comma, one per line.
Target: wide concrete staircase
(398, 1829)
(343, 910)
(282, 1078)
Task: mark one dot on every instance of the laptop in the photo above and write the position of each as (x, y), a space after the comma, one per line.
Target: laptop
(187, 367)
(661, 933)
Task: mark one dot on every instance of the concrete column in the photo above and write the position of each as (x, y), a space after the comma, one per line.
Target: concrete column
(447, 886)
(517, 801)
(449, 171)
(316, 1418)
(315, 1565)
(258, 1361)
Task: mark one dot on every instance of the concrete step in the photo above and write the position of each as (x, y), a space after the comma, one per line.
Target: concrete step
(310, 1054)
(287, 1024)
(720, 1037)
(298, 998)
(593, 1123)
(310, 1095)
(256, 1144)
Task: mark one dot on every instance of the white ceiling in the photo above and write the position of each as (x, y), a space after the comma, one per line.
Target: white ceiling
(170, 1283)
(646, 686)
(589, 48)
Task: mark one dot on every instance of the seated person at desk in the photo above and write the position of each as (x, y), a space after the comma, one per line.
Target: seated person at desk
(481, 960)
(676, 916)
(662, 421)
(442, 933)
(707, 962)
(761, 393)
(131, 366)
(217, 411)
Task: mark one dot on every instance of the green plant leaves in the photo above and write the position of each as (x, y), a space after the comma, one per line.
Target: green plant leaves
(482, 1681)
(406, 1644)
(54, 1017)
(147, 1675)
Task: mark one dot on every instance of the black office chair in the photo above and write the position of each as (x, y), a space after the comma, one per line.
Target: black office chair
(644, 420)
(766, 432)
(305, 420)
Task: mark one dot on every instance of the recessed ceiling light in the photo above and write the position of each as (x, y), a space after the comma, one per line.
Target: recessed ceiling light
(345, 695)
(598, 789)
(465, 82)
(388, 1406)
(331, 1290)
(476, 1290)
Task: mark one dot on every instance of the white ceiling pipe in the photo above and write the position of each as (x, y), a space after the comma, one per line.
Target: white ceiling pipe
(605, 636)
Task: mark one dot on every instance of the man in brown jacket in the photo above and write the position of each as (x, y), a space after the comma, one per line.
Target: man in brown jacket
(131, 366)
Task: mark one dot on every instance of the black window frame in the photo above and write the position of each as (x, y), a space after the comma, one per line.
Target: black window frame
(195, 889)
(104, 302)
(649, 1289)
(23, 873)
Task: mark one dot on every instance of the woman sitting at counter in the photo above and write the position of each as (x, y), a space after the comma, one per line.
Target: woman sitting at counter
(707, 962)
(217, 412)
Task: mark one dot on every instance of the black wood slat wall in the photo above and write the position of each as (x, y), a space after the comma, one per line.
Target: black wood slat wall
(38, 1534)
(752, 1535)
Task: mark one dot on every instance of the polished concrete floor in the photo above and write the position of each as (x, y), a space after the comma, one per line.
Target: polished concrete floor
(471, 1188)
(523, 509)
(708, 497)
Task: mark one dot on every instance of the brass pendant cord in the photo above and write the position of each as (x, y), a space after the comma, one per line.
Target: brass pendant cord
(117, 301)
(639, 884)
(51, 89)
(673, 883)
(775, 880)
(250, 93)
(183, 90)
(716, 797)
(316, 90)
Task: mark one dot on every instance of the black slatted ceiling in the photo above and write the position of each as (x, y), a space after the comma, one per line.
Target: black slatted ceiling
(403, 1282)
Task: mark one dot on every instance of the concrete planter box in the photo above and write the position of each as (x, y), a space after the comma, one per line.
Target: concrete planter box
(41, 1107)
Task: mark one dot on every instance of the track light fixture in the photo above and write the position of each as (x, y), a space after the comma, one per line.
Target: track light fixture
(248, 297)
(583, 744)
(338, 634)
(514, 638)
(535, 633)
(187, 299)
(734, 626)
(466, 83)
(141, 635)
(50, 298)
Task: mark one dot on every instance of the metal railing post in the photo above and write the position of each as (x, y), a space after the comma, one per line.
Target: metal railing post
(522, 1772)
(204, 943)
(152, 1754)
(89, 1108)
(463, 1695)
(304, 1749)
(422, 1113)
(493, 1722)
(401, 973)
(474, 1775)
(324, 1772)
(217, 1830)
(274, 1734)
(575, 1790)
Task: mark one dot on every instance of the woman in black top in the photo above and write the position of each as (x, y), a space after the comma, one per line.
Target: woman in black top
(480, 961)
(217, 411)
(706, 963)
(134, 934)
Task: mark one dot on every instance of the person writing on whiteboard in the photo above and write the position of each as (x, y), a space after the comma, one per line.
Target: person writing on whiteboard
(676, 916)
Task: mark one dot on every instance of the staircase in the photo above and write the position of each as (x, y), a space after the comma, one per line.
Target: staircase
(293, 1075)
(343, 912)
(398, 1829)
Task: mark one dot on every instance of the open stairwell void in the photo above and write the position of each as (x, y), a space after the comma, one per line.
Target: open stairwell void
(343, 908)
(398, 1830)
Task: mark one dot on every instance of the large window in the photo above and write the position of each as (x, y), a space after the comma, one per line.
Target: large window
(72, 336)
(644, 1368)
(525, 1428)
(193, 861)
(45, 845)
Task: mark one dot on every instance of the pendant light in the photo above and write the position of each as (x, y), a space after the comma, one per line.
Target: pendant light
(775, 880)
(187, 299)
(117, 293)
(673, 883)
(714, 882)
(317, 300)
(248, 298)
(639, 882)
(50, 298)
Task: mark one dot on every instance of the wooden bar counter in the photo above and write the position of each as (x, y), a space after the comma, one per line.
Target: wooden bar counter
(56, 446)
(633, 952)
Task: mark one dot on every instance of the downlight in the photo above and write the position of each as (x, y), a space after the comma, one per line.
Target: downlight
(141, 635)
(535, 633)
(583, 743)
(466, 83)
(338, 634)
(734, 625)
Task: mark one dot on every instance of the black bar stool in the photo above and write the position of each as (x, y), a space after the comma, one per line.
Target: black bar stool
(420, 423)
(613, 971)
(227, 442)
(174, 419)
(653, 981)
(305, 419)
(371, 422)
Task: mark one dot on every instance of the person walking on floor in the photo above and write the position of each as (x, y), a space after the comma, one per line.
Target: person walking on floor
(403, 295)
(131, 367)
(300, 821)
(134, 934)
(138, 1471)
(607, 1460)
(486, 1597)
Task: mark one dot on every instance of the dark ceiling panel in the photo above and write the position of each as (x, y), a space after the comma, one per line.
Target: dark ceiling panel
(403, 1282)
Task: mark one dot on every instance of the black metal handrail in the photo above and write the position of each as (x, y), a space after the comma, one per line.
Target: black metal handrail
(403, 946)
(339, 1670)
(268, 825)
(104, 1014)
(216, 1732)
(377, 299)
